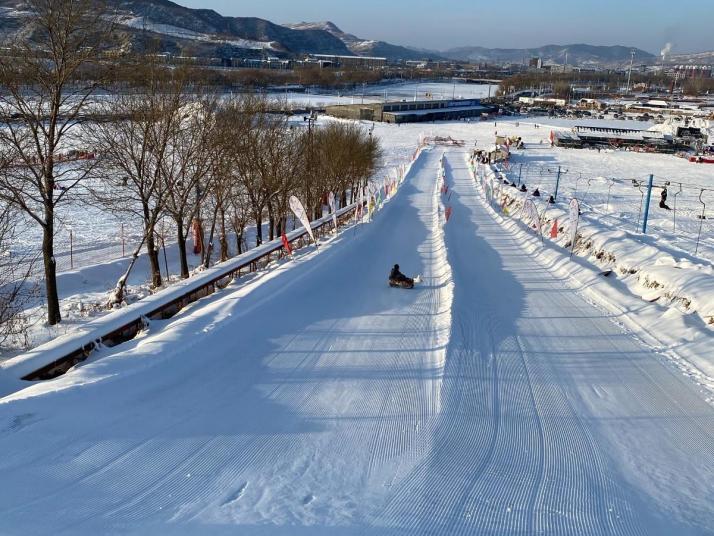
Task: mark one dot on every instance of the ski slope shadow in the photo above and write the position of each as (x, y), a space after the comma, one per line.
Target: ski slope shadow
(512, 452)
(311, 384)
(436, 497)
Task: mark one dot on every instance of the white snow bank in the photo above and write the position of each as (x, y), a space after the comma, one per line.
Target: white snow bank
(665, 296)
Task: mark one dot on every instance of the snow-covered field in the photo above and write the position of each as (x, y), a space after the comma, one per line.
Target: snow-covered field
(491, 399)
(387, 92)
(601, 180)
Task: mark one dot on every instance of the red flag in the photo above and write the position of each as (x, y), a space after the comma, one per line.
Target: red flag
(286, 244)
(554, 230)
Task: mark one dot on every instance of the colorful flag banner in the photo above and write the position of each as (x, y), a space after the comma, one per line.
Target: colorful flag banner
(299, 211)
(574, 220)
(286, 244)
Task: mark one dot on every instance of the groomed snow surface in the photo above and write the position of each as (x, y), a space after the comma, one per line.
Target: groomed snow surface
(492, 399)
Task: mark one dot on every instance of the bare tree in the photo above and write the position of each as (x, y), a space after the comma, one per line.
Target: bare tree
(258, 153)
(135, 143)
(15, 272)
(240, 213)
(42, 97)
(187, 167)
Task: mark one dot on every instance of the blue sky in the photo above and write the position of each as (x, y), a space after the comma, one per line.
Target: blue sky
(441, 24)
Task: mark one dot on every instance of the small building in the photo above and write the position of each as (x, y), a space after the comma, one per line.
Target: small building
(366, 62)
(591, 104)
(682, 72)
(535, 63)
(413, 112)
(582, 136)
(542, 101)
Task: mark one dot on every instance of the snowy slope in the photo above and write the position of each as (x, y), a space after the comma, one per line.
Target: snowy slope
(145, 24)
(490, 400)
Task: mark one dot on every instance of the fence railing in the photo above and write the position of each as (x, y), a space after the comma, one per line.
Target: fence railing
(678, 212)
(53, 359)
(57, 357)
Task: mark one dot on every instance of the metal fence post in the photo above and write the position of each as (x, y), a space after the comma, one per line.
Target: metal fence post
(557, 184)
(647, 204)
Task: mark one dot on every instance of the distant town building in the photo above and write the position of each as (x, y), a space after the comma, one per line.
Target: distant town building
(541, 101)
(693, 71)
(368, 62)
(412, 112)
(536, 63)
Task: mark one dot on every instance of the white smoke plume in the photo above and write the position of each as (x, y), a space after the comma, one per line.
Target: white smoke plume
(666, 51)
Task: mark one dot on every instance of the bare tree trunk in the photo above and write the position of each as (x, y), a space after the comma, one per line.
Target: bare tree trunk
(271, 222)
(258, 228)
(181, 239)
(223, 237)
(117, 296)
(153, 252)
(239, 242)
(209, 246)
(54, 315)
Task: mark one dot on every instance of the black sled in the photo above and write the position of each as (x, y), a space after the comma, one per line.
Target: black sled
(401, 283)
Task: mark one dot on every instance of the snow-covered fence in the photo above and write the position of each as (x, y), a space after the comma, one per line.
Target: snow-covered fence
(55, 358)
(654, 270)
(680, 213)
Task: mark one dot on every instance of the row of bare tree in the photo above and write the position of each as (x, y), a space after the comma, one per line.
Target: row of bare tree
(165, 149)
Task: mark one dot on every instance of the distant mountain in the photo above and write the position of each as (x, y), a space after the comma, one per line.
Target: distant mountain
(579, 54)
(198, 31)
(202, 32)
(367, 47)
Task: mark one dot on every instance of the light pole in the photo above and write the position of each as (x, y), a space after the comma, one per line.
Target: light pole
(629, 74)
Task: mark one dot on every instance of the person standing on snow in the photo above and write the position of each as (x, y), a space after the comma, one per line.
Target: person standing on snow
(663, 199)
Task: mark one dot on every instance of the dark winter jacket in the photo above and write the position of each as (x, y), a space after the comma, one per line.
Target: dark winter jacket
(396, 275)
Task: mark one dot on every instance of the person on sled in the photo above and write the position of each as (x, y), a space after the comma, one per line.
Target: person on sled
(398, 279)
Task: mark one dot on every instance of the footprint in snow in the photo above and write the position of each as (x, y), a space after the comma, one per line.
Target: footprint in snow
(236, 495)
(20, 421)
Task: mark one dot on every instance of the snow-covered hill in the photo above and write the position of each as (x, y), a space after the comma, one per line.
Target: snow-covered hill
(366, 47)
(201, 30)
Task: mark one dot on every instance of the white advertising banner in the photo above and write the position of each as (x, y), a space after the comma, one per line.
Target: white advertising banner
(300, 214)
(574, 219)
(333, 210)
(531, 216)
